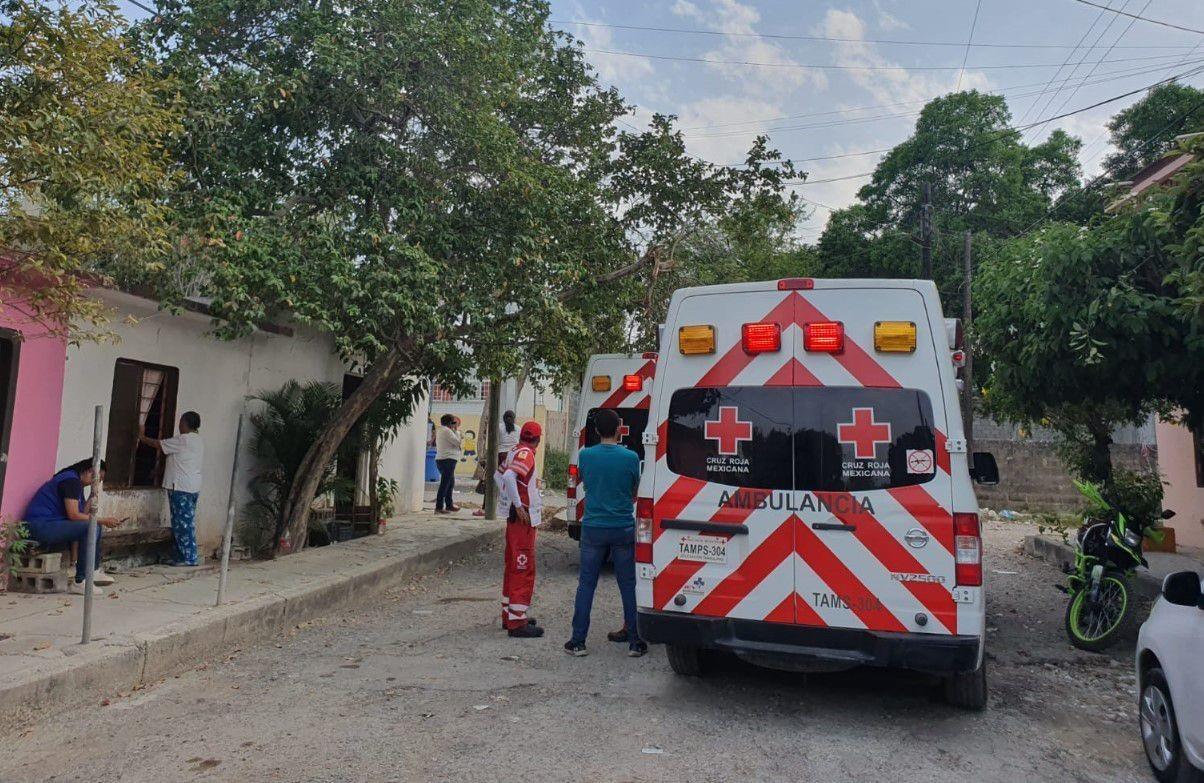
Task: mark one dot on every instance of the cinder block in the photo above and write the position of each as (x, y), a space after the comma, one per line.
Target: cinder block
(40, 562)
(23, 582)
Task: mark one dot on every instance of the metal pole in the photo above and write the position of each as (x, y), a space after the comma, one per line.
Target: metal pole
(89, 552)
(229, 534)
(926, 231)
(968, 369)
(491, 448)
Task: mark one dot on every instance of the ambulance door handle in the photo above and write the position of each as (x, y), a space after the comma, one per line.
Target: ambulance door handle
(705, 527)
(833, 526)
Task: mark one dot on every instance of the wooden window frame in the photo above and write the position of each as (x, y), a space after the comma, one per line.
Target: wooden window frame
(118, 429)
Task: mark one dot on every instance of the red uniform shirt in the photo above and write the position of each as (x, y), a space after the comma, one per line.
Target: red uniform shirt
(522, 462)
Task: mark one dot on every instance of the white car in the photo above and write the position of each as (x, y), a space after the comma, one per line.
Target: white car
(1170, 676)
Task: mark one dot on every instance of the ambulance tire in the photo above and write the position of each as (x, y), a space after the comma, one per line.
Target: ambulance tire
(968, 690)
(686, 661)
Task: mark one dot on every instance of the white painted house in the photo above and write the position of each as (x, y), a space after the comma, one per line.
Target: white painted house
(163, 365)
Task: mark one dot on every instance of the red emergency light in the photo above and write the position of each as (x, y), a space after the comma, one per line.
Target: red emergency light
(823, 336)
(967, 550)
(796, 284)
(633, 383)
(643, 530)
(764, 337)
(649, 355)
(570, 490)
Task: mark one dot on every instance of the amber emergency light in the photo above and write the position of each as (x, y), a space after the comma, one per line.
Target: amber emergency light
(895, 337)
(696, 340)
(600, 383)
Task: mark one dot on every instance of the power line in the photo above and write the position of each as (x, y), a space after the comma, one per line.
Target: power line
(834, 39)
(1142, 18)
(1069, 56)
(833, 67)
(969, 42)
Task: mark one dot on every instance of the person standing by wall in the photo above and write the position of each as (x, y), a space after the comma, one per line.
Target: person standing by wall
(507, 436)
(182, 480)
(610, 473)
(520, 488)
(448, 451)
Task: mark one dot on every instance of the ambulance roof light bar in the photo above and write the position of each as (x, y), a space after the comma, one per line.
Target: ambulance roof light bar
(796, 284)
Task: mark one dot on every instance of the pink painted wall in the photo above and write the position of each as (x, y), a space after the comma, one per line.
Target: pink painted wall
(1177, 463)
(33, 445)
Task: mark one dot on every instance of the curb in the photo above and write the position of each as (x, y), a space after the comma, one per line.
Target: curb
(1057, 553)
(89, 673)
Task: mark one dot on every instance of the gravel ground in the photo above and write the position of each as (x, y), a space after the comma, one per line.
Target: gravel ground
(425, 687)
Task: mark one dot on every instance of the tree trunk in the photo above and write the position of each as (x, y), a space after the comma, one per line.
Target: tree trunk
(1100, 457)
(384, 372)
(373, 473)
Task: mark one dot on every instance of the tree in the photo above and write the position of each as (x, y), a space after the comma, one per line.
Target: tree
(84, 126)
(1145, 131)
(434, 184)
(983, 179)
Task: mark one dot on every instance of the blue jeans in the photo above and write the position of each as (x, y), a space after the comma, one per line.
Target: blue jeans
(596, 543)
(57, 534)
(447, 483)
(183, 525)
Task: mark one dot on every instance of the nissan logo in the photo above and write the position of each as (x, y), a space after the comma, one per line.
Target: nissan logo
(916, 538)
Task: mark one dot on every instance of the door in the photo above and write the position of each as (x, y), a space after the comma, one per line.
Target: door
(723, 537)
(874, 531)
(10, 354)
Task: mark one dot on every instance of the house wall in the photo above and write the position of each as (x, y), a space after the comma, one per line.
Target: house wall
(215, 378)
(33, 443)
(1177, 462)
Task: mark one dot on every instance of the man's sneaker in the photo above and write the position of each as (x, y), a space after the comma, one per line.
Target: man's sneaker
(526, 632)
(101, 578)
(576, 649)
(619, 636)
(637, 650)
(78, 588)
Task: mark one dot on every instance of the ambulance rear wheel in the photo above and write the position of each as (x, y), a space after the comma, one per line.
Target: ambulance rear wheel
(968, 690)
(686, 661)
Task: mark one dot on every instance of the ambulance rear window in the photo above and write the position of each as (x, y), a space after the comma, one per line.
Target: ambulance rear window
(823, 438)
(634, 419)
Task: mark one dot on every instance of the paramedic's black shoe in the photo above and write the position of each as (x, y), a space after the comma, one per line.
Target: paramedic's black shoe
(619, 636)
(532, 621)
(576, 649)
(637, 650)
(526, 632)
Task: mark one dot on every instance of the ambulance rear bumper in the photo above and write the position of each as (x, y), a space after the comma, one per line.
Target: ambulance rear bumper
(855, 647)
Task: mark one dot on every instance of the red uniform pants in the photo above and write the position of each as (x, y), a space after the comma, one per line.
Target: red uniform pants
(518, 579)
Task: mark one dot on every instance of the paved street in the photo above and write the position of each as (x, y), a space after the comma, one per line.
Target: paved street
(425, 687)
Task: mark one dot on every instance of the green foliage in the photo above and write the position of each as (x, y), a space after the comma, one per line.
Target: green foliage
(14, 542)
(1145, 131)
(386, 493)
(983, 179)
(556, 469)
(84, 129)
(1138, 494)
(282, 432)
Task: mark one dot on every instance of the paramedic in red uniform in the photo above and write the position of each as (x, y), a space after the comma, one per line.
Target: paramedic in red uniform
(520, 492)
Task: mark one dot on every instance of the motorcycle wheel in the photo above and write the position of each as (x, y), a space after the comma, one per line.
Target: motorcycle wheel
(1095, 625)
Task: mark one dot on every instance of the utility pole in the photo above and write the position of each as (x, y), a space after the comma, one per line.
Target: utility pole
(491, 447)
(926, 231)
(968, 369)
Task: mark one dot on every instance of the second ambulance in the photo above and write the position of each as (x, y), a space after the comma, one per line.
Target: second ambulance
(807, 502)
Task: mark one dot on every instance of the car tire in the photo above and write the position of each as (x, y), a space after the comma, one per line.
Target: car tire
(686, 661)
(1160, 732)
(968, 690)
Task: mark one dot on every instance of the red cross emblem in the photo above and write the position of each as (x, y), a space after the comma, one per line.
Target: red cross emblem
(729, 430)
(624, 431)
(863, 433)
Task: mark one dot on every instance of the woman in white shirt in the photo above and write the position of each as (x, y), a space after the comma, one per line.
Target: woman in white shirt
(448, 451)
(507, 437)
(182, 480)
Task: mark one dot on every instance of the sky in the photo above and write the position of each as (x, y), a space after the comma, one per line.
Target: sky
(735, 69)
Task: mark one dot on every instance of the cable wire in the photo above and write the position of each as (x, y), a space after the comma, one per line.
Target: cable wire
(1143, 18)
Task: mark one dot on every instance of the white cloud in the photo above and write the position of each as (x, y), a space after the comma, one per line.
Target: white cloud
(725, 148)
(888, 21)
(612, 68)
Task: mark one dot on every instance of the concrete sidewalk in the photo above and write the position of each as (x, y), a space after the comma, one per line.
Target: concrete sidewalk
(155, 622)
(1147, 582)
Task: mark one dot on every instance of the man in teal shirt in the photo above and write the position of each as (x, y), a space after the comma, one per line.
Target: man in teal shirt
(611, 475)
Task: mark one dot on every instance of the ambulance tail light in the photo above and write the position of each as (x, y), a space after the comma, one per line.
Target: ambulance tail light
(967, 550)
(696, 340)
(823, 336)
(796, 284)
(633, 383)
(600, 383)
(570, 490)
(643, 530)
(895, 337)
(762, 337)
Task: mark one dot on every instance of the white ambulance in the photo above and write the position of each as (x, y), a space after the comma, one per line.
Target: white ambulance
(807, 501)
(623, 383)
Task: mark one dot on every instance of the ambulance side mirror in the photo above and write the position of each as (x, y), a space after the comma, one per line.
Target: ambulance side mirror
(983, 468)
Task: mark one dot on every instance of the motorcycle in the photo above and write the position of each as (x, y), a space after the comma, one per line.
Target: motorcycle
(1107, 550)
